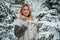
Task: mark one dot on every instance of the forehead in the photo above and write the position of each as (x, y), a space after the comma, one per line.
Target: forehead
(26, 7)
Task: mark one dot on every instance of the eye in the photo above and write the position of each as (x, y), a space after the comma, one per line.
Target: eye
(24, 9)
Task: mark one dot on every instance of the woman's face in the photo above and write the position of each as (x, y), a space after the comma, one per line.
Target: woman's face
(25, 11)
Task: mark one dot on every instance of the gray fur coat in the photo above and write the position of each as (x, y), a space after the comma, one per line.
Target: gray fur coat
(24, 32)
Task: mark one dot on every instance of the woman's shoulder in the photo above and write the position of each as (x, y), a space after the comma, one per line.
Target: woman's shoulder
(17, 22)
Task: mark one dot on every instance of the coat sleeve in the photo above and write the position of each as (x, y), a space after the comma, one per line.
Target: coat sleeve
(19, 29)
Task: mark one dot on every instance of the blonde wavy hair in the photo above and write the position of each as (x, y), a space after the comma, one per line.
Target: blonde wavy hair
(30, 17)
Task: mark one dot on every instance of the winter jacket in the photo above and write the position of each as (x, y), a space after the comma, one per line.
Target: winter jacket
(23, 32)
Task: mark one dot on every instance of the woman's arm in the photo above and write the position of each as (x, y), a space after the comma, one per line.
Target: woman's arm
(19, 31)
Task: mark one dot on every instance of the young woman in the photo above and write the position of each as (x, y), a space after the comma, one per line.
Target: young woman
(23, 30)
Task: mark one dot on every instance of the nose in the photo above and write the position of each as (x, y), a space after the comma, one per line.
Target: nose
(26, 11)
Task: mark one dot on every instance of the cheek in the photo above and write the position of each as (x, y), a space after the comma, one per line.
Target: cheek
(28, 12)
(23, 12)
